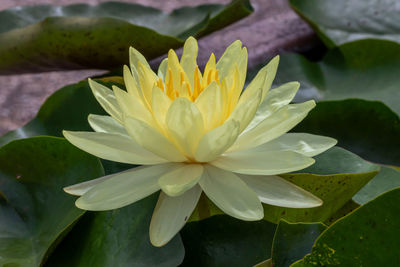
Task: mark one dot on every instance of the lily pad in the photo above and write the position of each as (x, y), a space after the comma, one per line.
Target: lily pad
(387, 179)
(369, 236)
(368, 128)
(335, 177)
(365, 69)
(293, 241)
(56, 113)
(47, 37)
(116, 238)
(35, 213)
(225, 241)
(342, 21)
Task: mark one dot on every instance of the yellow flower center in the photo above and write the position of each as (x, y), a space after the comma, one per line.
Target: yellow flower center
(200, 83)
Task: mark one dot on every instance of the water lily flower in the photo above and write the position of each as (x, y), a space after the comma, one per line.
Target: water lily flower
(197, 132)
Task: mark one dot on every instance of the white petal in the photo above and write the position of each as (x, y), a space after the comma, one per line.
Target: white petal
(274, 100)
(152, 140)
(171, 214)
(185, 124)
(231, 194)
(217, 141)
(106, 124)
(263, 80)
(273, 126)
(106, 99)
(307, 144)
(274, 190)
(114, 147)
(123, 188)
(82, 188)
(184, 177)
(268, 163)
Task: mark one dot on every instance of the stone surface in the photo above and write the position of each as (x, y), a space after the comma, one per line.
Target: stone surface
(273, 28)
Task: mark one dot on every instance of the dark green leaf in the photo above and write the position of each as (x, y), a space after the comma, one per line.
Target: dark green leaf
(45, 37)
(293, 241)
(224, 241)
(335, 177)
(366, 69)
(367, 237)
(36, 212)
(368, 128)
(266, 263)
(116, 238)
(387, 179)
(344, 210)
(56, 113)
(338, 22)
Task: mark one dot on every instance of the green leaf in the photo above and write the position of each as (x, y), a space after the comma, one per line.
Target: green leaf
(35, 212)
(344, 210)
(369, 236)
(225, 241)
(266, 263)
(387, 179)
(46, 37)
(368, 128)
(366, 69)
(335, 177)
(293, 241)
(116, 238)
(56, 115)
(338, 22)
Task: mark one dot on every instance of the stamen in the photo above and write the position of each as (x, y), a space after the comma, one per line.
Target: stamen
(160, 84)
(197, 86)
(170, 84)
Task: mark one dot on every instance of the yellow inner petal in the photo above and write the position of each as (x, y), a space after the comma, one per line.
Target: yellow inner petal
(214, 94)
